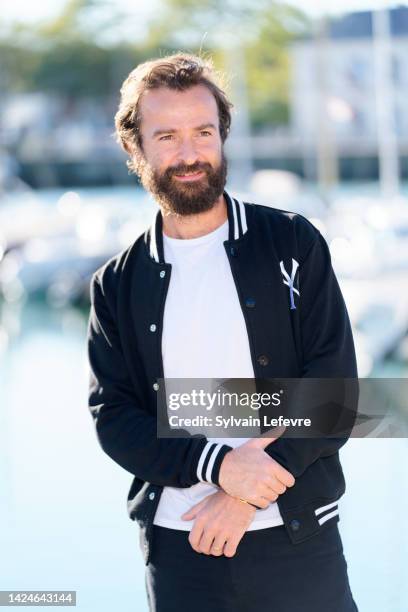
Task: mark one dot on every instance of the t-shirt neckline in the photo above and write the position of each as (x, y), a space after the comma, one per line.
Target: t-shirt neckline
(185, 242)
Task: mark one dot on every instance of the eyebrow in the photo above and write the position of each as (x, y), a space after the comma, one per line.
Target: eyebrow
(203, 126)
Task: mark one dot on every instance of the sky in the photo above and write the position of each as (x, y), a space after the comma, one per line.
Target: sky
(23, 10)
(319, 7)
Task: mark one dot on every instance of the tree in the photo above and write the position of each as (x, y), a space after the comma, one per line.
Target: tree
(264, 29)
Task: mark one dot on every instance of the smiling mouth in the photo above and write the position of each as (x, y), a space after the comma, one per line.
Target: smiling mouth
(191, 176)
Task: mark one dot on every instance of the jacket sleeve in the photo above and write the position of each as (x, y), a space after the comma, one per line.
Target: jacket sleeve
(328, 352)
(126, 430)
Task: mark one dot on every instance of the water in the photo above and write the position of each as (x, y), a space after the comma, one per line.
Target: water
(63, 501)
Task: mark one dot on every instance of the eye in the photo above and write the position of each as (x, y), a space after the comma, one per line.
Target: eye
(166, 137)
(206, 132)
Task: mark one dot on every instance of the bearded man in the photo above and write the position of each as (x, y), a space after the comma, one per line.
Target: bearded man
(216, 288)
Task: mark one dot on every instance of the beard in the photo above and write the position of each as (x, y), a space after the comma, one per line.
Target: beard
(184, 198)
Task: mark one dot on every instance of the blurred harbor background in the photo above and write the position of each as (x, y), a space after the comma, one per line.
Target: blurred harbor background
(320, 127)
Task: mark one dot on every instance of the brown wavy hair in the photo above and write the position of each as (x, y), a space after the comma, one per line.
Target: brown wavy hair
(180, 72)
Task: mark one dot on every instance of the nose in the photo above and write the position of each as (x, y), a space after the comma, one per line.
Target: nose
(187, 152)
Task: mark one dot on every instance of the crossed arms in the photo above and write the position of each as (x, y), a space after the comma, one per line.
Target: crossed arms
(257, 471)
(221, 519)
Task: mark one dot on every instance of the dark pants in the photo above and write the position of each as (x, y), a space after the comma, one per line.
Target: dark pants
(267, 574)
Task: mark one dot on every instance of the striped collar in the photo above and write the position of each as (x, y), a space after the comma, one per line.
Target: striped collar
(237, 227)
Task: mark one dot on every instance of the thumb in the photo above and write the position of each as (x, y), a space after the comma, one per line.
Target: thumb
(266, 438)
(192, 512)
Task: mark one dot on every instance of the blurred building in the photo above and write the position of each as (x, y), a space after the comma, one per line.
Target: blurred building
(340, 64)
(59, 141)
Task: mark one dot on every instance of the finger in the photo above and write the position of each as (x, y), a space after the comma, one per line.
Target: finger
(275, 486)
(192, 512)
(217, 547)
(206, 542)
(260, 502)
(189, 515)
(231, 546)
(269, 494)
(267, 438)
(283, 475)
(195, 536)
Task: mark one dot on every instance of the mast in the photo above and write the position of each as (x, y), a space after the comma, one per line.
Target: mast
(327, 161)
(388, 153)
(239, 141)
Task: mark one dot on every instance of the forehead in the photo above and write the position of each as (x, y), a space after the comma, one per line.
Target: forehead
(168, 108)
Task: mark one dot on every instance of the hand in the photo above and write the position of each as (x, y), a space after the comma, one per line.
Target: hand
(220, 522)
(248, 472)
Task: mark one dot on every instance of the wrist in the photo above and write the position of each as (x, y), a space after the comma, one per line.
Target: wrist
(209, 464)
(244, 501)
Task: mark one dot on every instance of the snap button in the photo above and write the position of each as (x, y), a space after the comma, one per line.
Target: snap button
(162, 273)
(250, 302)
(152, 495)
(156, 386)
(295, 525)
(263, 360)
(153, 327)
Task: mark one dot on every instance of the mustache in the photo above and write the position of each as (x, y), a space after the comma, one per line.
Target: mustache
(183, 169)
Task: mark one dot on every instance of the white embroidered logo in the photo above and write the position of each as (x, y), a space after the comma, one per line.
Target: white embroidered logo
(289, 281)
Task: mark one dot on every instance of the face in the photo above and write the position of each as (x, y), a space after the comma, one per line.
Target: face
(182, 163)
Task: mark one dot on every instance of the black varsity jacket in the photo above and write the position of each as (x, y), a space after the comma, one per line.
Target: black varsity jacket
(297, 326)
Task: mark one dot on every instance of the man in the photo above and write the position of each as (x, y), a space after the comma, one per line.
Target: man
(217, 288)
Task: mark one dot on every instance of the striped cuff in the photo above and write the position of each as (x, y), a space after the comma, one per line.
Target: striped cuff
(209, 464)
(324, 513)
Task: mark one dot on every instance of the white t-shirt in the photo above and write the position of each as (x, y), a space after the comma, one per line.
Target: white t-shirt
(204, 337)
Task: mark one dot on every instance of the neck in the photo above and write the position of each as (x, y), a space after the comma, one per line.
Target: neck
(194, 226)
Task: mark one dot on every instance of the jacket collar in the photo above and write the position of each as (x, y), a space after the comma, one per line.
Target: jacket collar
(237, 227)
